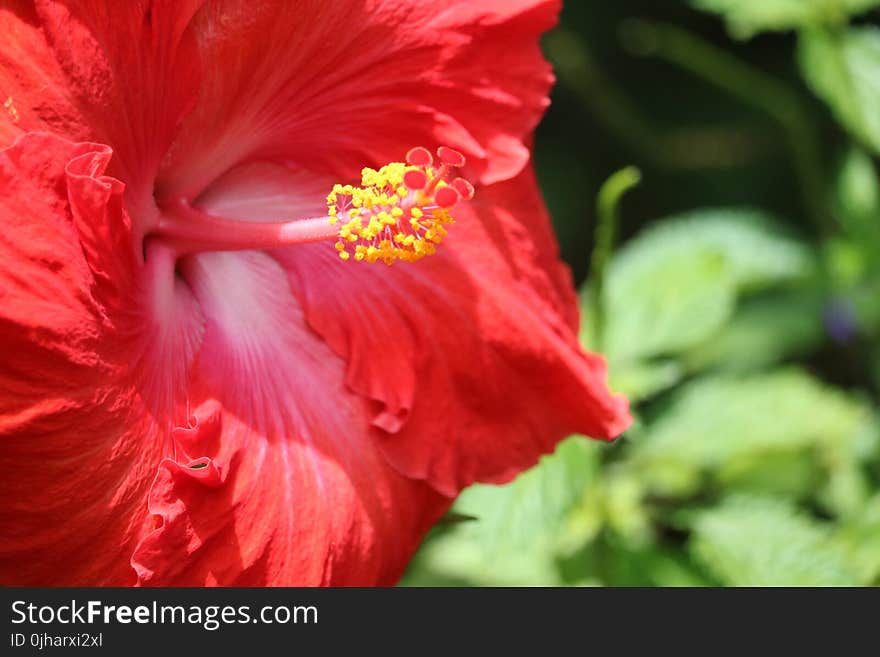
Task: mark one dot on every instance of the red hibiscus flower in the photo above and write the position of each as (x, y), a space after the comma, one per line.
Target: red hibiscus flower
(195, 387)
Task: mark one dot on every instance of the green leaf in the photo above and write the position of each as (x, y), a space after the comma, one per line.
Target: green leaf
(846, 263)
(848, 487)
(668, 568)
(729, 428)
(857, 196)
(660, 305)
(858, 189)
(763, 332)
(844, 70)
(642, 380)
(515, 537)
(746, 18)
(753, 541)
(861, 538)
(676, 284)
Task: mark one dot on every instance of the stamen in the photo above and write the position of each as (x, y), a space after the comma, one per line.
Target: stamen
(187, 229)
(401, 211)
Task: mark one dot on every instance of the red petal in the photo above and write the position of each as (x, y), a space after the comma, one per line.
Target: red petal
(78, 447)
(96, 349)
(101, 348)
(289, 423)
(119, 73)
(303, 496)
(285, 85)
(486, 373)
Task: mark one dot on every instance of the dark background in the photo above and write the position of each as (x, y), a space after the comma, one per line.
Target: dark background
(695, 143)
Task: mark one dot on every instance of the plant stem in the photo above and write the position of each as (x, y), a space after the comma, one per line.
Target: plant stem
(608, 216)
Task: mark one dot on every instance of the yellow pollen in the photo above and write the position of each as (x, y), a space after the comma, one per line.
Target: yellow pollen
(386, 220)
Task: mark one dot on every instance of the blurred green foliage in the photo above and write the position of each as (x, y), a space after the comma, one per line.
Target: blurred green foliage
(739, 311)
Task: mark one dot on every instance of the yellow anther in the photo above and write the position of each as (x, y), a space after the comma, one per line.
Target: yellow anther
(387, 221)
